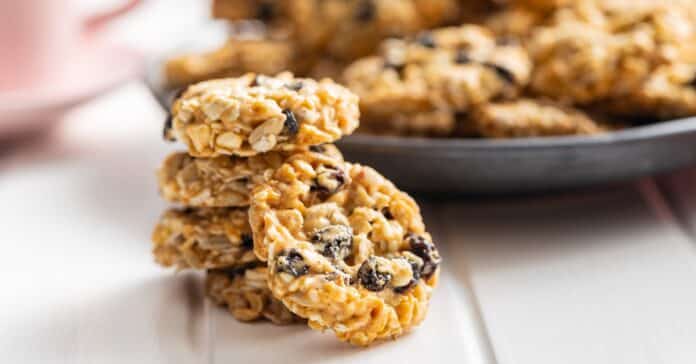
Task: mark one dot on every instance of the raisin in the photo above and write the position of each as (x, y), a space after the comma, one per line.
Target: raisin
(265, 12)
(334, 241)
(292, 263)
(317, 148)
(462, 57)
(426, 40)
(501, 71)
(247, 241)
(387, 214)
(366, 11)
(425, 250)
(461, 116)
(398, 67)
(692, 82)
(297, 86)
(372, 277)
(291, 125)
(328, 181)
(167, 129)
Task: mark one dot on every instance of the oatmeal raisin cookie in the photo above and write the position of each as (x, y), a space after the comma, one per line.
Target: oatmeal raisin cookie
(256, 114)
(345, 249)
(531, 118)
(441, 72)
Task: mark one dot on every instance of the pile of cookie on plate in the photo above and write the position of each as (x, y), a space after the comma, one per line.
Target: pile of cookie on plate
(465, 68)
(283, 227)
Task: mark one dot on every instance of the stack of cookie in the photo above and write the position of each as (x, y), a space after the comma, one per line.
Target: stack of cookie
(285, 229)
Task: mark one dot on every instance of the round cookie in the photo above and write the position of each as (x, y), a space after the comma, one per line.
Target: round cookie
(256, 114)
(354, 28)
(204, 238)
(449, 70)
(345, 248)
(235, 58)
(346, 29)
(592, 53)
(531, 118)
(669, 92)
(223, 181)
(244, 291)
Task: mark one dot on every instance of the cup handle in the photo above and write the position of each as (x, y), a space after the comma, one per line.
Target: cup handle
(95, 22)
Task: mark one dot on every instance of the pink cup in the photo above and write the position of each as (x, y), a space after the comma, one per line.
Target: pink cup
(38, 38)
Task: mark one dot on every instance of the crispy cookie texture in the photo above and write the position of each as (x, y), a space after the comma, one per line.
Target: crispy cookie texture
(244, 291)
(256, 114)
(345, 249)
(263, 10)
(204, 238)
(448, 70)
(530, 118)
(223, 181)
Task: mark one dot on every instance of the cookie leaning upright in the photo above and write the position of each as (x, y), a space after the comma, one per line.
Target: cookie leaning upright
(256, 114)
(345, 249)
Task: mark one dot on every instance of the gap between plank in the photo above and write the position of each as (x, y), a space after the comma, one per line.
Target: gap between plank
(664, 201)
(482, 351)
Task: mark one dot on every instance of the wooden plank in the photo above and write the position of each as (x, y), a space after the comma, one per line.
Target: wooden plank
(679, 189)
(79, 283)
(595, 277)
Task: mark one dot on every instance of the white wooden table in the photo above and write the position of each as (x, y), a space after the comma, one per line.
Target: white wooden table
(599, 276)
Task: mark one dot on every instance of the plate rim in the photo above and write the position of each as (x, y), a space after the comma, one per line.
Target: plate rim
(660, 129)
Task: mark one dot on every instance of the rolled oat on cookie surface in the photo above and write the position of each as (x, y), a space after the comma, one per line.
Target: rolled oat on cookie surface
(345, 248)
(224, 181)
(255, 114)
